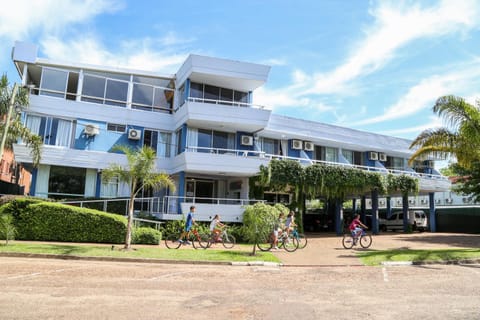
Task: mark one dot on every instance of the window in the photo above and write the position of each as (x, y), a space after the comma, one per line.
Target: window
(111, 89)
(93, 89)
(67, 181)
(331, 154)
(217, 94)
(212, 93)
(226, 95)
(54, 131)
(116, 93)
(53, 83)
(109, 189)
(218, 140)
(270, 146)
(116, 127)
(196, 90)
(348, 155)
(158, 141)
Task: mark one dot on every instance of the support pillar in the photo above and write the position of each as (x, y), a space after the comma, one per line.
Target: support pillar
(374, 212)
(405, 212)
(363, 208)
(432, 222)
(338, 217)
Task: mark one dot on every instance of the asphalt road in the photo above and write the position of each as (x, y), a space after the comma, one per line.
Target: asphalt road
(69, 289)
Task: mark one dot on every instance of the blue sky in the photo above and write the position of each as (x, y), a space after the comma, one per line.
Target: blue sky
(370, 65)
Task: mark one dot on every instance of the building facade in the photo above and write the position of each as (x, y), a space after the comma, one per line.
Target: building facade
(207, 134)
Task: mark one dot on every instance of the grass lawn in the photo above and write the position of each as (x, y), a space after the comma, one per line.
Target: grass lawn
(373, 258)
(240, 253)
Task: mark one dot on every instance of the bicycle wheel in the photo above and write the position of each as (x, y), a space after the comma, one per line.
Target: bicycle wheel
(200, 241)
(228, 240)
(290, 243)
(366, 240)
(302, 241)
(264, 243)
(171, 241)
(347, 241)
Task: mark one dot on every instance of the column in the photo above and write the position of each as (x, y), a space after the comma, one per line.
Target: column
(432, 222)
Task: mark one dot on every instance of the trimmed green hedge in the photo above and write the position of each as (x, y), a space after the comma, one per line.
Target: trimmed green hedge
(145, 235)
(38, 220)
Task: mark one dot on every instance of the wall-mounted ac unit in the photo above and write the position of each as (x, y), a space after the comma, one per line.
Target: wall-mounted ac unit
(382, 157)
(308, 146)
(411, 201)
(297, 144)
(438, 201)
(246, 140)
(134, 134)
(91, 130)
(450, 200)
(424, 201)
(373, 155)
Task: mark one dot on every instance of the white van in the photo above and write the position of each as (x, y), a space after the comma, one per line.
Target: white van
(416, 218)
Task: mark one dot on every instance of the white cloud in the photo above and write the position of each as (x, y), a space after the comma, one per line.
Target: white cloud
(25, 17)
(434, 122)
(140, 55)
(423, 95)
(396, 25)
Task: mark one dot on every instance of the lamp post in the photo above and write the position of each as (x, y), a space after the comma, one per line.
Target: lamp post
(7, 121)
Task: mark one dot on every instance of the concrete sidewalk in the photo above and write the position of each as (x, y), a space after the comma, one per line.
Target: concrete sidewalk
(327, 250)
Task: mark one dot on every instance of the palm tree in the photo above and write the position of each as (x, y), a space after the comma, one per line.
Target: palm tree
(11, 129)
(138, 174)
(460, 137)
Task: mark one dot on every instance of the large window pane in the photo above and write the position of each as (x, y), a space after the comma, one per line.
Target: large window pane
(93, 89)
(163, 146)
(163, 99)
(331, 154)
(196, 90)
(348, 155)
(226, 95)
(67, 180)
(220, 140)
(116, 93)
(142, 94)
(204, 139)
(212, 93)
(240, 96)
(54, 82)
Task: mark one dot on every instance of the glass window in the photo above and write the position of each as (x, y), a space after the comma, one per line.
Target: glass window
(220, 140)
(204, 140)
(179, 140)
(116, 94)
(270, 146)
(67, 180)
(331, 154)
(109, 188)
(181, 93)
(348, 155)
(212, 93)
(116, 127)
(226, 95)
(93, 89)
(196, 90)
(157, 82)
(240, 96)
(163, 99)
(54, 83)
(142, 94)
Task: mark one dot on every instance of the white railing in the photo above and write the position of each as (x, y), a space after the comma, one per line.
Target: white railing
(268, 157)
(226, 102)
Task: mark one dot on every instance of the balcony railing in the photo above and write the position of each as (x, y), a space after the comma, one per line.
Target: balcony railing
(226, 102)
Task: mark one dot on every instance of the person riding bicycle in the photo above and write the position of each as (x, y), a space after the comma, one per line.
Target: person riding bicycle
(188, 226)
(290, 222)
(356, 226)
(216, 227)
(277, 229)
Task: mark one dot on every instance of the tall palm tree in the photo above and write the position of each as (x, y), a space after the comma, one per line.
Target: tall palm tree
(138, 174)
(460, 137)
(12, 124)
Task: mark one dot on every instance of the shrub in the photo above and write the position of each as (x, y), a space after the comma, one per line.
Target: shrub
(57, 222)
(145, 235)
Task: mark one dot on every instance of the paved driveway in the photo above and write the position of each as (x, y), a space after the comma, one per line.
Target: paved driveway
(327, 249)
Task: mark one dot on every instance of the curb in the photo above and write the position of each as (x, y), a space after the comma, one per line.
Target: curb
(137, 260)
(432, 262)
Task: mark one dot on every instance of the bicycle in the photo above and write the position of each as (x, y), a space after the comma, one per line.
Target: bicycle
(199, 241)
(226, 239)
(287, 242)
(349, 240)
(302, 240)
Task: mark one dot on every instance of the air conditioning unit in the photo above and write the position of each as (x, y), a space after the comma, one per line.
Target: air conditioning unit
(411, 201)
(382, 157)
(91, 130)
(438, 201)
(134, 134)
(373, 155)
(246, 140)
(308, 146)
(450, 200)
(297, 144)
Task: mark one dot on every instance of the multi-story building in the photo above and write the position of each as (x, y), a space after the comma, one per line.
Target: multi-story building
(201, 122)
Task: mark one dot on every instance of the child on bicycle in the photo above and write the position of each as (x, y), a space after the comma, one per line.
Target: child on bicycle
(290, 222)
(356, 226)
(188, 226)
(277, 230)
(216, 227)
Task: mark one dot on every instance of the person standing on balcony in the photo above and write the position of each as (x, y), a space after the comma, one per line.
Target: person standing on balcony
(188, 226)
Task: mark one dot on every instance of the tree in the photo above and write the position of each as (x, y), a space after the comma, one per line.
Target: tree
(12, 129)
(460, 138)
(138, 174)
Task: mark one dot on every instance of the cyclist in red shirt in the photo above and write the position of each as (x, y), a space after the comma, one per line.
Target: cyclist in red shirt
(356, 226)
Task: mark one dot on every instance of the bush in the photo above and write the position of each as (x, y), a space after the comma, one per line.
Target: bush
(258, 220)
(45, 221)
(144, 235)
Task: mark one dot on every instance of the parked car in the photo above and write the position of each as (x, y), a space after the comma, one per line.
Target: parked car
(416, 218)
